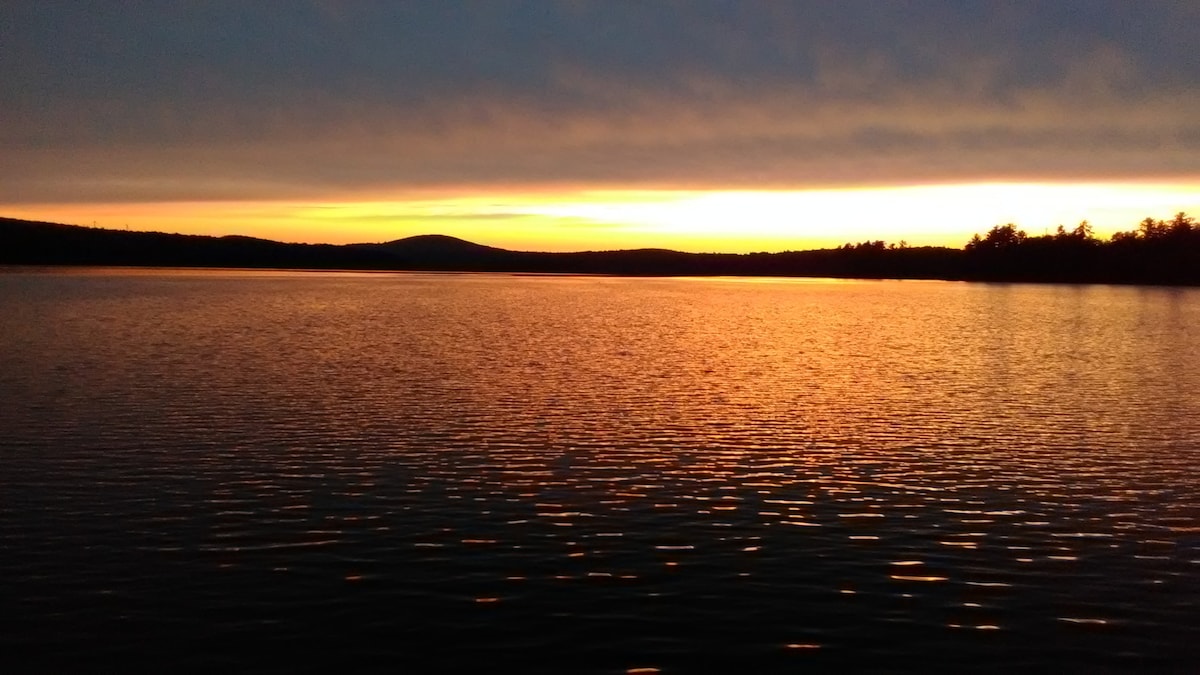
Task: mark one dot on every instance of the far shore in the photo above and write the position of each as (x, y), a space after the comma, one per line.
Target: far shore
(1157, 252)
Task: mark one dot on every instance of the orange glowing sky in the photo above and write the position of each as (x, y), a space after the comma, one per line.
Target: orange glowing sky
(554, 126)
(697, 220)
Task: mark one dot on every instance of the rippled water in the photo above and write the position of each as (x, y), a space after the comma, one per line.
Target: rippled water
(208, 469)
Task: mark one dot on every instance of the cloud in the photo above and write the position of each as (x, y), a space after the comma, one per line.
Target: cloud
(218, 101)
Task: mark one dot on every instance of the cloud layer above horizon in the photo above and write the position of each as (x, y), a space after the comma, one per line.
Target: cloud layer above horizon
(195, 101)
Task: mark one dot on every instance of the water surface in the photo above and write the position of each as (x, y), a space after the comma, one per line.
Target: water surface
(272, 470)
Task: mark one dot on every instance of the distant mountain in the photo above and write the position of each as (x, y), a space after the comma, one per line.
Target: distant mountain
(38, 243)
(1166, 253)
(439, 250)
(437, 244)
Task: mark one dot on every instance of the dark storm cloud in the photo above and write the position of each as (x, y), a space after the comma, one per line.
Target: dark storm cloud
(222, 100)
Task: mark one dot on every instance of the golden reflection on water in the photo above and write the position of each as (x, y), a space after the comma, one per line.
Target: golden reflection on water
(808, 457)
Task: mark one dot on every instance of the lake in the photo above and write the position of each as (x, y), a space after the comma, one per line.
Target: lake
(273, 471)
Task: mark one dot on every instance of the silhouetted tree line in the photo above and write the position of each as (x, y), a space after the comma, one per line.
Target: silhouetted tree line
(1157, 252)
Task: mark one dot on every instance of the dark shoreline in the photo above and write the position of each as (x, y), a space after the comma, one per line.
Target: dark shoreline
(1162, 253)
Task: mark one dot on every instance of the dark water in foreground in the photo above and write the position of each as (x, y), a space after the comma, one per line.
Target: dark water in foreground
(255, 470)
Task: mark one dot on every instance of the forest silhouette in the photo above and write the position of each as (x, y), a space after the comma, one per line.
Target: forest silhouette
(1155, 252)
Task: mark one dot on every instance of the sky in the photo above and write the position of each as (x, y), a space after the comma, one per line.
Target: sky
(703, 125)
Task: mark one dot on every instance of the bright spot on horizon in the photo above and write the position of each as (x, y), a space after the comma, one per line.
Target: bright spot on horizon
(734, 221)
(919, 215)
